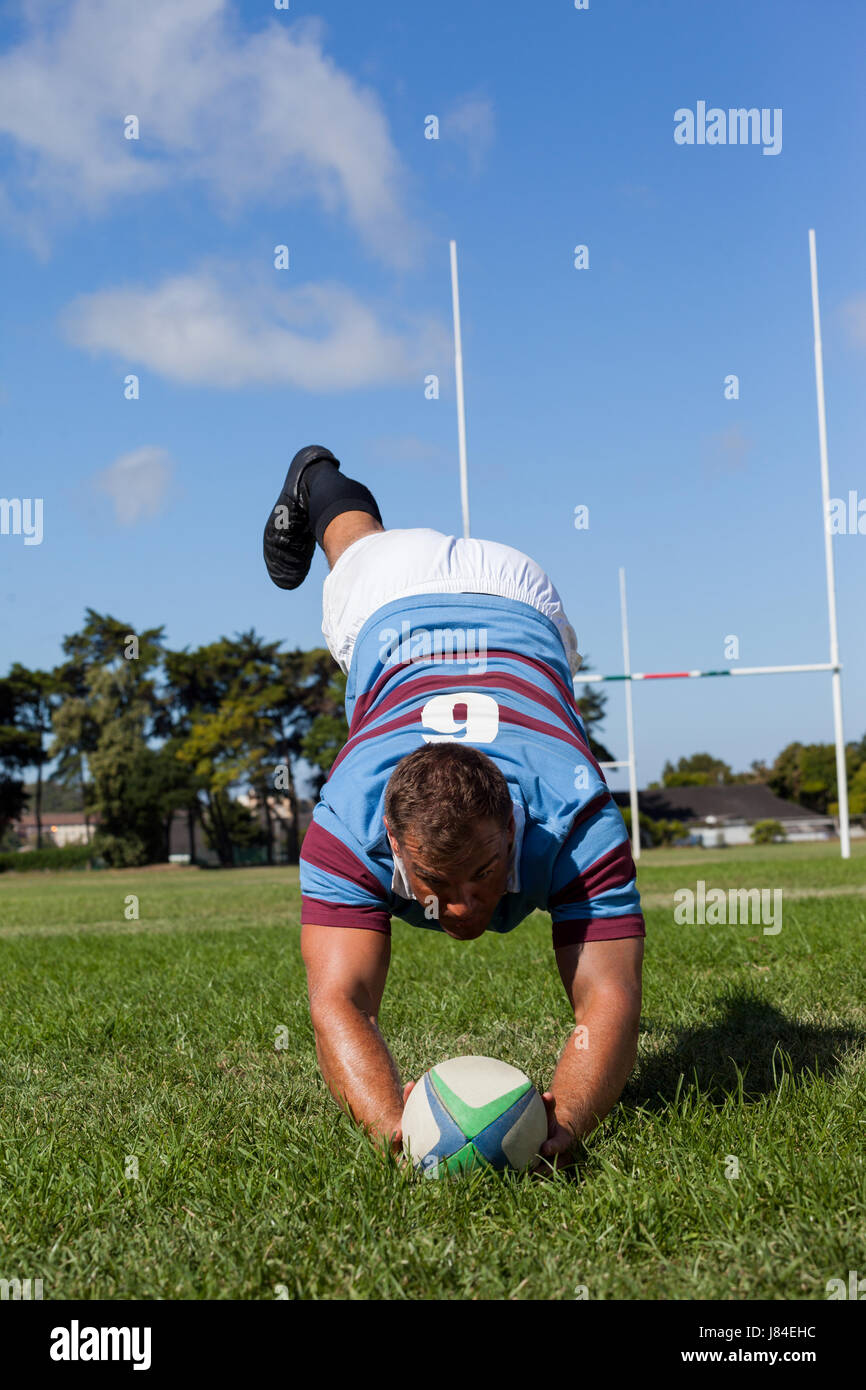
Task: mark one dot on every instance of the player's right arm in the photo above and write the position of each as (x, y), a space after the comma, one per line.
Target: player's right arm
(346, 971)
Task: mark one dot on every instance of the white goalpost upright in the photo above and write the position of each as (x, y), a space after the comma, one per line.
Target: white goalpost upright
(629, 719)
(461, 408)
(833, 665)
(841, 771)
(628, 676)
(628, 762)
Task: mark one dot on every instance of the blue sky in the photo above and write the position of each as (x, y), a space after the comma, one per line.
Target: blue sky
(602, 387)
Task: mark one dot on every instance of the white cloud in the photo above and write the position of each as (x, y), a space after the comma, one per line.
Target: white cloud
(137, 483)
(252, 116)
(217, 327)
(471, 122)
(854, 311)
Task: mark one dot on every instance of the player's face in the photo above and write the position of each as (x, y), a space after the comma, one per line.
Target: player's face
(468, 888)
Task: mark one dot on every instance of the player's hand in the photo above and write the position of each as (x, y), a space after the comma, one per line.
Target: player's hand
(560, 1140)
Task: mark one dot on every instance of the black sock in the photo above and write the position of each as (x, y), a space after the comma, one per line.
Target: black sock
(330, 492)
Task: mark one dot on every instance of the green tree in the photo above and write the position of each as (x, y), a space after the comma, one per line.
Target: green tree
(310, 694)
(655, 832)
(700, 770)
(328, 729)
(242, 707)
(56, 796)
(857, 792)
(105, 722)
(75, 733)
(806, 774)
(17, 751)
(757, 775)
(766, 832)
(190, 687)
(593, 710)
(35, 695)
(239, 827)
(124, 772)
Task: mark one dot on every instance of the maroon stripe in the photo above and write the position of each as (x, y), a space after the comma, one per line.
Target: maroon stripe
(613, 870)
(413, 717)
(365, 702)
(597, 929)
(513, 716)
(325, 851)
(506, 716)
(499, 680)
(591, 809)
(316, 913)
(566, 691)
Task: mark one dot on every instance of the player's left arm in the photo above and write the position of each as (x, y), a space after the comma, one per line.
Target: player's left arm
(603, 982)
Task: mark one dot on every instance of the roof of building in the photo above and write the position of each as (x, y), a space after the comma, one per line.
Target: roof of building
(748, 801)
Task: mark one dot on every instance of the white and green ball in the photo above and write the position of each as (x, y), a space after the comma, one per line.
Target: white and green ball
(472, 1112)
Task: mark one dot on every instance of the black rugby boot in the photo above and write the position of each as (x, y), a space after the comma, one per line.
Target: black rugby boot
(289, 542)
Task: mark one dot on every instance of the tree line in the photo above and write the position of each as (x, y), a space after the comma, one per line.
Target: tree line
(138, 732)
(804, 773)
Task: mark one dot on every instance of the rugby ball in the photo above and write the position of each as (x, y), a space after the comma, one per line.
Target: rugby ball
(472, 1112)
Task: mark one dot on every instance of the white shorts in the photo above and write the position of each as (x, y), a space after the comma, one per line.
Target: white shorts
(388, 565)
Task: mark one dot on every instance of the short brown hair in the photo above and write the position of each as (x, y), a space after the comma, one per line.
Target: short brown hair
(440, 792)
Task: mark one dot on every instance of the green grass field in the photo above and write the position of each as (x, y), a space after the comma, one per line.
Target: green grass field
(151, 1043)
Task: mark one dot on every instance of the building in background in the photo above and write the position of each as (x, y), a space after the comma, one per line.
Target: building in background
(59, 828)
(725, 815)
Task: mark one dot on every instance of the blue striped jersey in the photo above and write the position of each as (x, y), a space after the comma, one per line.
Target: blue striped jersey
(492, 671)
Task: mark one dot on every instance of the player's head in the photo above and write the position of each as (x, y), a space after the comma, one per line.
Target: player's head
(449, 817)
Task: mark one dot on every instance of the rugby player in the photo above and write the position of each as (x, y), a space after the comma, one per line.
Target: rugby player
(465, 798)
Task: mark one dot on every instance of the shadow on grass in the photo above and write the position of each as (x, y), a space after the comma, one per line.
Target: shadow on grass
(749, 1044)
(746, 1050)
